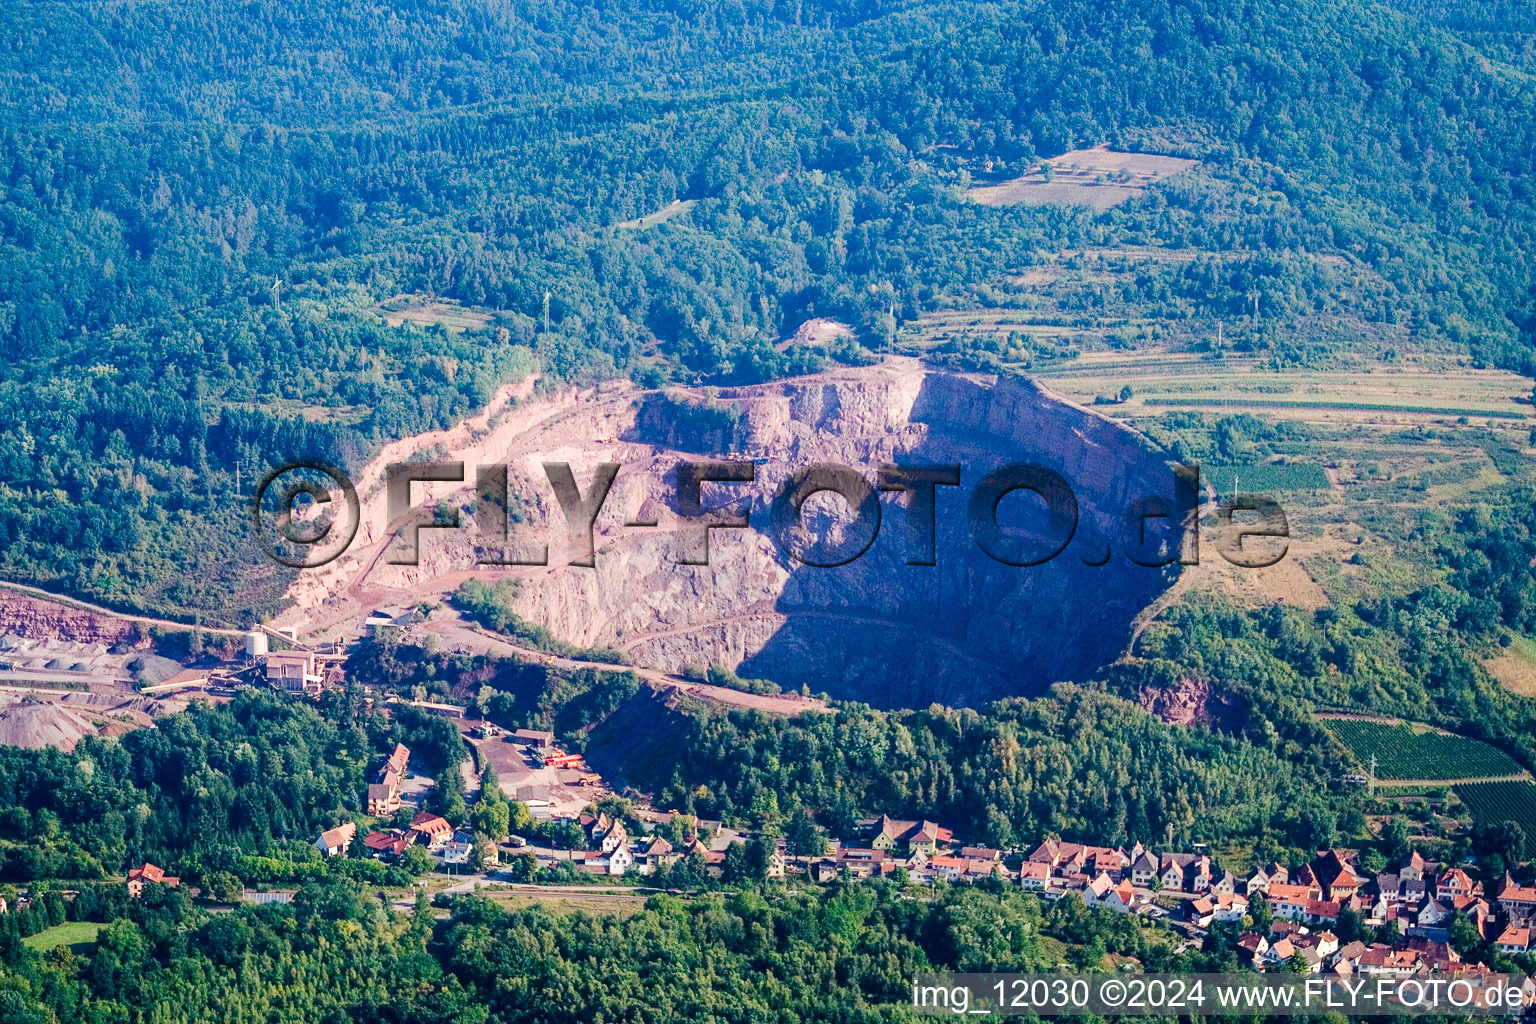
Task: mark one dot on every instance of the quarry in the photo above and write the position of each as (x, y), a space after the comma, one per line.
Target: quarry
(876, 628)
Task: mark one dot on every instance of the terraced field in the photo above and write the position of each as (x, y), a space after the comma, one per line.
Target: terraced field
(1385, 392)
(1495, 802)
(1404, 752)
(1265, 478)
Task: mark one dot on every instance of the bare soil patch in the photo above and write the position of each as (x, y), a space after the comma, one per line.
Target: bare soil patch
(1096, 177)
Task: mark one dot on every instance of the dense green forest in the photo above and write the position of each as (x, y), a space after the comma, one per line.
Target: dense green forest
(840, 954)
(203, 208)
(244, 787)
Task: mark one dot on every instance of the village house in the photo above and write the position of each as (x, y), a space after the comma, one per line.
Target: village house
(1123, 898)
(386, 845)
(778, 860)
(1068, 859)
(652, 855)
(613, 839)
(1479, 911)
(1347, 959)
(889, 833)
(1514, 940)
(1277, 954)
(1416, 868)
(1517, 901)
(1385, 962)
(1217, 906)
(1324, 943)
(1143, 869)
(823, 870)
(1262, 878)
(714, 863)
(336, 841)
(1185, 872)
(1433, 920)
(862, 862)
(1096, 889)
(1334, 873)
(456, 853)
(397, 760)
(1456, 882)
(977, 868)
(383, 797)
(384, 792)
(145, 873)
(431, 830)
(1034, 876)
(1290, 901)
(620, 860)
(1251, 946)
(1322, 911)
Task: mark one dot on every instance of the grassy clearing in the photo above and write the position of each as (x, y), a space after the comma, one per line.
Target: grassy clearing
(676, 208)
(1515, 666)
(430, 312)
(619, 905)
(1405, 752)
(75, 934)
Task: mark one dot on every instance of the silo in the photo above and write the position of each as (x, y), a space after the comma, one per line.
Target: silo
(256, 643)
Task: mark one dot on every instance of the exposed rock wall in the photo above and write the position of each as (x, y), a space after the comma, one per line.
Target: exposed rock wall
(964, 631)
(33, 617)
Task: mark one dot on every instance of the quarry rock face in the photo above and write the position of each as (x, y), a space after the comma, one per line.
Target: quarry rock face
(22, 615)
(965, 630)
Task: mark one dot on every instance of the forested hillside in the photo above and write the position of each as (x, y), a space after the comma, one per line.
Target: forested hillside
(203, 208)
(206, 790)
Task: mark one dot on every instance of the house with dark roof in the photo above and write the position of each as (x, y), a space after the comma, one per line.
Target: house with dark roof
(387, 845)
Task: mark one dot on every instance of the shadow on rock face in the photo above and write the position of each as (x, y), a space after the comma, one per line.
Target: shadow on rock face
(970, 629)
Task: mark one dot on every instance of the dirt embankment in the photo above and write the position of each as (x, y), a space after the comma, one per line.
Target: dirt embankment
(43, 725)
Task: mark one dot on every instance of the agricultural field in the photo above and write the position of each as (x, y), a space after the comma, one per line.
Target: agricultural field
(1379, 392)
(1495, 802)
(1407, 752)
(1096, 177)
(1265, 477)
(1360, 428)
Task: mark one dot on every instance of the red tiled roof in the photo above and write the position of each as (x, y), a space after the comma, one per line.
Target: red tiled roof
(148, 872)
